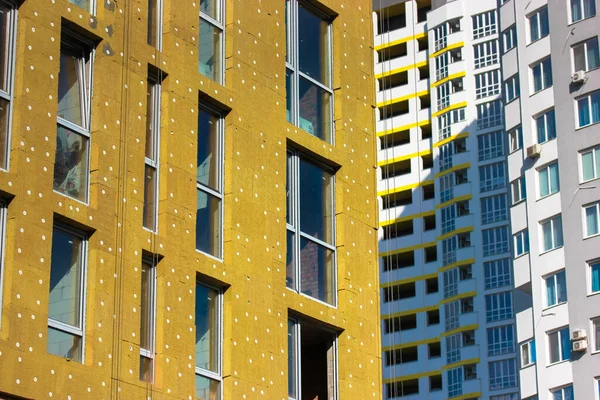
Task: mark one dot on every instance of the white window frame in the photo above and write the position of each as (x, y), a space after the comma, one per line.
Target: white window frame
(585, 44)
(199, 371)
(523, 238)
(440, 36)
(515, 136)
(448, 217)
(537, 14)
(548, 170)
(293, 66)
(511, 88)
(490, 114)
(487, 84)
(447, 119)
(595, 154)
(553, 224)
(8, 94)
(518, 186)
(3, 212)
(86, 75)
(441, 66)
(507, 396)
(594, 339)
(544, 64)
(443, 93)
(562, 391)
(218, 23)
(455, 380)
(492, 177)
(544, 120)
(509, 38)
(582, 7)
(490, 145)
(503, 377)
(596, 207)
(529, 347)
(159, 24)
(153, 162)
(486, 54)
(150, 352)
(500, 307)
(589, 266)
(588, 100)
(495, 241)
(498, 273)
(503, 340)
(494, 209)
(559, 335)
(485, 24)
(554, 278)
(447, 183)
(83, 265)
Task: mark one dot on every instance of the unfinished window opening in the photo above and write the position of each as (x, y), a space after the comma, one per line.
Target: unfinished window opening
(395, 169)
(433, 317)
(462, 208)
(423, 72)
(401, 389)
(431, 285)
(401, 356)
(429, 223)
(427, 161)
(391, 18)
(468, 338)
(392, 52)
(425, 102)
(423, 7)
(397, 292)
(398, 324)
(465, 272)
(402, 198)
(460, 146)
(470, 372)
(400, 260)
(428, 192)
(395, 139)
(425, 132)
(311, 361)
(423, 44)
(392, 81)
(464, 240)
(435, 383)
(461, 177)
(430, 254)
(394, 110)
(466, 305)
(398, 229)
(434, 349)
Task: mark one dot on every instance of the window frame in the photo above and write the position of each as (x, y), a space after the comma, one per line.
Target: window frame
(159, 24)
(220, 143)
(504, 379)
(490, 114)
(509, 38)
(3, 215)
(292, 65)
(589, 271)
(499, 313)
(497, 278)
(501, 343)
(520, 185)
(543, 64)
(547, 169)
(595, 153)
(486, 54)
(492, 177)
(199, 371)
(498, 241)
(8, 95)
(512, 83)
(556, 243)
(218, 23)
(487, 149)
(585, 44)
(584, 208)
(523, 237)
(588, 99)
(558, 331)
(82, 301)
(484, 24)
(529, 347)
(152, 262)
(294, 226)
(537, 14)
(583, 16)
(595, 339)
(515, 139)
(548, 120)
(155, 87)
(562, 389)
(487, 84)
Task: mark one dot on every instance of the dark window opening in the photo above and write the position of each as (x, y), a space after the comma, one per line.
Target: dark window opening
(428, 192)
(423, 7)
(397, 292)
(391, 18)
(398, 229)
(425, 102)
(434, 349)
(317, 362)
(389, 53)
(422, 44)
(401, 356)
(435, 383)
(400, 260)
(466, 305)
(470, 372)
(392, 81)
(427, 161)
(465, 272)
(433, 317)
(461, 176)
(462, 208)
(394, 110)
(426, 132)
(398, 324)
(431, 285)
(430, 254)
(395, 169)
(429, 222)
(401, 389)
(464, 240)
(468, 338)
(423, 72)
(395, 139)
(402, 198)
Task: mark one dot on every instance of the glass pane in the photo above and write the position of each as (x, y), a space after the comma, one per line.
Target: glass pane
(146, 369)
(153, 22)
(209, 51)
(593, 54)
(288, 41)
(314, 47)
(292, 361)
(208, 224)
(4, 115)
(207, 328)
(64, 344)
(317, 272)
(71, 163)
(290, 279)
(208, 150)
(207, 389)
(150, 200)
(315, 110)
(591, 220)
(85, 4)
(146, 307)
(70, 88)
(65, 278)
(4, 43)
(583, 108)
(210, 8)
(553, 345)
(151, 116)
(288, 95)
(316, 203)
(579, 57)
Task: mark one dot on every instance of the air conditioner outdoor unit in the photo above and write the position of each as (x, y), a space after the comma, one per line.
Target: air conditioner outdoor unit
(578, 334)
(578, 77)
(534, 151)
(580, 345)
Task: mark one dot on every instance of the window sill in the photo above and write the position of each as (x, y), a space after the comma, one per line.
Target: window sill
(518, 202)
(527, 366)
(540, 91)
(588, 181)
(209, 256)
(536, 40)
(313, 298)
(511, 100)
(546, 196)
(550, 250)
(580, 20)
(553, 306)
(586, 126)
(591, 236)
(548, 141)
(71, 197)
(557, 363)
(593, 294)
(520, 255)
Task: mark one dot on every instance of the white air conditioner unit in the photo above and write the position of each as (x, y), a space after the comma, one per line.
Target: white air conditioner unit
(578, 334)
(578, 77)
(580, 345)
(534, 151)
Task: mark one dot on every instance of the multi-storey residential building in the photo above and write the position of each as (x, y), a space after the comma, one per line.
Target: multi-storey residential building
(445, 249)
(148, 178)
(550, 71)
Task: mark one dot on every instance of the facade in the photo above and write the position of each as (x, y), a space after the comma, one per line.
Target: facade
(148, 176)
(445, 250)
(552, 167)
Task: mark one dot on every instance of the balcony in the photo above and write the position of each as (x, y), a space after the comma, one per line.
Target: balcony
(468, 319)
(528, 379)
(471, 386)
(521, 271)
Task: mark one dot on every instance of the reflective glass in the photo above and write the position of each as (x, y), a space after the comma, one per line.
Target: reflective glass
(207, 389)
(146, 369)
(150, 200)
(64, 345)
(315, 110)
(207, 328)
(314, 46)
(209, 51)
(208, 224)
(316, 202)
(153, 22)
(292, 362)
(317, 271)
(71, 163)
(4, 116)
(208, 147)
(71, 87)
(85, 4)
(146, 307)
(64, 302)
(290, 270)
(210, 8)
(151, 123)
(4, 46)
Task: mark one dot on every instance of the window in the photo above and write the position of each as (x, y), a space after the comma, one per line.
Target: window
(495, 241)
(401, 356)
(441, 66)
(440, 37)
(556, 289)
(538, 24)
(147, 318)
(487, 84)
(546, 126)
(150, 214)
(66, 303)
(155, 15)
(71, 164)
(588, 110)
(87, 5)
(398, 324)
(542, 75)
(528, 353)
(484, 24)
(590, 164)
(490, 145)
(455, 377)
(2, 246)
(508, 396)
(433, 317)
(501, 340)
(210, 40)
(511, 87)
(509, 38)
(448, 218)
(565, 393)
(447, 119)
(594, 276)
(503, 374)
(582, 9)
(497, 273)
(310, 229)
(515, 137)
(552, 236)
(434, 350)
(518, 190)
(548, 180)
(521, 243)
(591, 220)
(559, 345)
(309, 70)
(8, 20)
(209, 182)
(596, 335)
(486, 54)
(435, 383)
(209, 322)
(399, 389)
(431, 285)
(311, 348)
(397, 292)
(586, 56)
(494, 209)
(489, 114)
(492, 177)
(498, 306)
